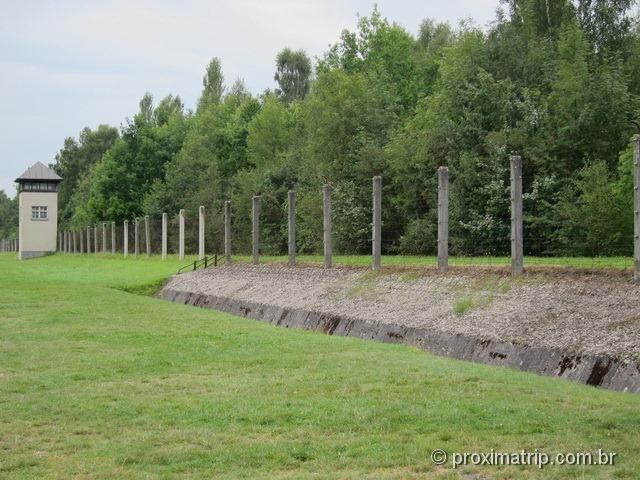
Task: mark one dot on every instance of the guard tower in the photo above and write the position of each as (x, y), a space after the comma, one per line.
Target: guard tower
(38, 211)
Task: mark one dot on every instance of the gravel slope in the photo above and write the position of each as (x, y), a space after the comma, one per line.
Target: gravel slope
(585, 314)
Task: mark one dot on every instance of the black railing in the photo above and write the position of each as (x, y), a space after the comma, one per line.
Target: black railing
(203, 263)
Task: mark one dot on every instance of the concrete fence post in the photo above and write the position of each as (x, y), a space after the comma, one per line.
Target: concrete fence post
(113, 238)
(255, 229)
(292, 228)
(227, 232)
(104, 237)
(147, 235)
(88, 239)
(136, 236)
(181, 234)
(201, 251)
(95, 239)
(164, 236)
(636, 208)
(443, 219)
(376, 240)
(517, 245)
(326, 225)
(125, 238)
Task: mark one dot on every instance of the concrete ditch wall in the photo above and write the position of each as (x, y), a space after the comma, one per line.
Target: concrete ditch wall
(601, 370)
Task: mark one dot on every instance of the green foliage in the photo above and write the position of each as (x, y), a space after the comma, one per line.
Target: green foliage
(595, 213)
(213, 83)
(75, 160)
(293, 73)
(116, 186)
(8, 216)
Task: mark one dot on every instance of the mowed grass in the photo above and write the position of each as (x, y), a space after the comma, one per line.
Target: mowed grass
(96, 382)
(619, 263)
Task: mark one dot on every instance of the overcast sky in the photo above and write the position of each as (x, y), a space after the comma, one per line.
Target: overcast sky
(65, 65)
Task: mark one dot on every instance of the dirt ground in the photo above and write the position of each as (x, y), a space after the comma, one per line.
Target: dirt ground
(582, 312)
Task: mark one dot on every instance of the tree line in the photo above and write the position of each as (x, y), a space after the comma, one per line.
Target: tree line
(556, 80)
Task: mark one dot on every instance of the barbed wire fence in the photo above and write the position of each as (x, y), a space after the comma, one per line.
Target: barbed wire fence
(329, 225)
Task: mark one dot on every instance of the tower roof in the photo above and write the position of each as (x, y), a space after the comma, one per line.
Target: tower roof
(39, 171)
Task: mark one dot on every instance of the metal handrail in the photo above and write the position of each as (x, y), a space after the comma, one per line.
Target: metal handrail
(204, 263)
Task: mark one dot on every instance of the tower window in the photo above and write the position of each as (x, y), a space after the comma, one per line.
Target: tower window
(38, 213)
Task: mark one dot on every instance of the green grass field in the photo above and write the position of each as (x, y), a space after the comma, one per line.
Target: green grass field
(100, 381)
(618, 263)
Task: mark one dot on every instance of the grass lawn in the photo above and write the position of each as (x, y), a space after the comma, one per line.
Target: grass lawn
(620, 263)
(99, 382)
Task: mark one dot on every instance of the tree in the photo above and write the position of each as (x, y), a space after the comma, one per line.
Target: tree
(8, 216)
(293, 73)
(270, 133)
(75, 159)
(117, 185)
(606, 25)
(213, 83)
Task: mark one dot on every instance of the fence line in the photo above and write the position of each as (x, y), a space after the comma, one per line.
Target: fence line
(73, 241)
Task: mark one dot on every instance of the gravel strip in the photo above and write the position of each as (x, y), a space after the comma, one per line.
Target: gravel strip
(585, 314)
